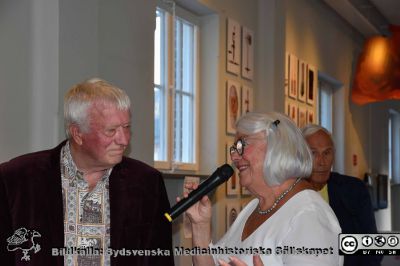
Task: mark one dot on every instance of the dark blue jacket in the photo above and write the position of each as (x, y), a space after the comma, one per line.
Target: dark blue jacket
(350, 200)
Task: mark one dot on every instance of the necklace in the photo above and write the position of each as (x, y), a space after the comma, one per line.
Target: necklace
(278, 199)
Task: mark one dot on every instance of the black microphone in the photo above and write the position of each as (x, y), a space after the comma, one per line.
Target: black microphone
(217, 178)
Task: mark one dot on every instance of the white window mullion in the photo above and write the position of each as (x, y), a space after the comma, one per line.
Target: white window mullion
(171, 85)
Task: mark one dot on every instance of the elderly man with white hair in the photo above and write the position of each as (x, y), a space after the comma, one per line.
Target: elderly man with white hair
(347, 196)
(84, 197)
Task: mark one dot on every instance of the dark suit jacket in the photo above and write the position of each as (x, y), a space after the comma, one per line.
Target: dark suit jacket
(350, 200)
(31, 197)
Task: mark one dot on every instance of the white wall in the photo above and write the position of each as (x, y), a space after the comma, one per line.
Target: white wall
(15, 40)
(126, 58)
(319, 36)
(28, 76)
(78, 45)
(113, 41)
(44, 74)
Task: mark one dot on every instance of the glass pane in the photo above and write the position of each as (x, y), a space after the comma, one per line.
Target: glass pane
(184, 139)
(160, 129)
(184, 133)
(178, 55)
(160, 91)
(187, 130)
(325, 105)
(157, 49)
(187, 57)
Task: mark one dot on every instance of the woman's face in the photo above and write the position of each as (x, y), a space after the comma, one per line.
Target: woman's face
(250, 163)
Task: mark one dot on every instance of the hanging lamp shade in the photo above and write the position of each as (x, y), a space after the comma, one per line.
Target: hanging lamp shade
(377, 77)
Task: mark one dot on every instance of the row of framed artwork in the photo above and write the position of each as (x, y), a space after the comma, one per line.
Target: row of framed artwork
(301, 114)
(301, 80)
(239, 100)
(239, 50)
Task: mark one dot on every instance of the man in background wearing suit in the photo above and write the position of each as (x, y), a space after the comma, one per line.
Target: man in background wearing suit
(348, 196)
(71, 204)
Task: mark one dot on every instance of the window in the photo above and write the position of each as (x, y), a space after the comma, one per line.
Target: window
(325, 104)
(175, 92)
(394, 146)
(390, 129)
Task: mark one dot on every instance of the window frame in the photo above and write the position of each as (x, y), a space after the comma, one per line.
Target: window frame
(325, 108)
(169, 66)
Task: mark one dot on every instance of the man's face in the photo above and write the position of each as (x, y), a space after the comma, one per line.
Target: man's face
(108, 135)
(323, 154)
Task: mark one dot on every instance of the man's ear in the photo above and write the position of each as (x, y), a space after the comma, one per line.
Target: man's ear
(75, 133)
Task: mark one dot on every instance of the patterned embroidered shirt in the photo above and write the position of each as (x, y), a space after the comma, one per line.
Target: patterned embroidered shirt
(86, 215)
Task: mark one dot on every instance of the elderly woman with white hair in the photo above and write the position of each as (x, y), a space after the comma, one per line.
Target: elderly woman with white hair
(287, 223)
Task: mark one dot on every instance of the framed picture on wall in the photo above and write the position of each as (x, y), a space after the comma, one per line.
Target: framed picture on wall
(233, 102)
(247, 53)
(302, 93)
(287, 107)
(312, 84)
(293, 111)
(247, 100)
(302, 116)
(233, 47)
(232, 211)
(232, 185)
(293, 76)
(310, 116)
(287, 71)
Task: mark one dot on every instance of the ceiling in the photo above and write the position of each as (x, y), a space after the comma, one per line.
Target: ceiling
(390, 9)
(369, 17)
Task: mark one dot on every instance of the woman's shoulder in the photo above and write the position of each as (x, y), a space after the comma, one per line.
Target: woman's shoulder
(309, 196)
(308, 203)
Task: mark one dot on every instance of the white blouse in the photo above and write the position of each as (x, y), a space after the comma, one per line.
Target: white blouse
(304, 231)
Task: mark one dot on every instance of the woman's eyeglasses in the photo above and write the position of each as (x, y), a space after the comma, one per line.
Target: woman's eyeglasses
(238, 146)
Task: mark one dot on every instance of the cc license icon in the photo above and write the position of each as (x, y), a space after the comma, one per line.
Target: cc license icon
(367, 241)
(392, 241)
(349, 244)
(380, 241)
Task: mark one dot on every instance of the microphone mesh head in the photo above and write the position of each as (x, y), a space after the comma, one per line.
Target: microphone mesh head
(226, 171)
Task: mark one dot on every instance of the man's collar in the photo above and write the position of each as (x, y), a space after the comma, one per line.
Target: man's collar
(72, 169)
(69, 162)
